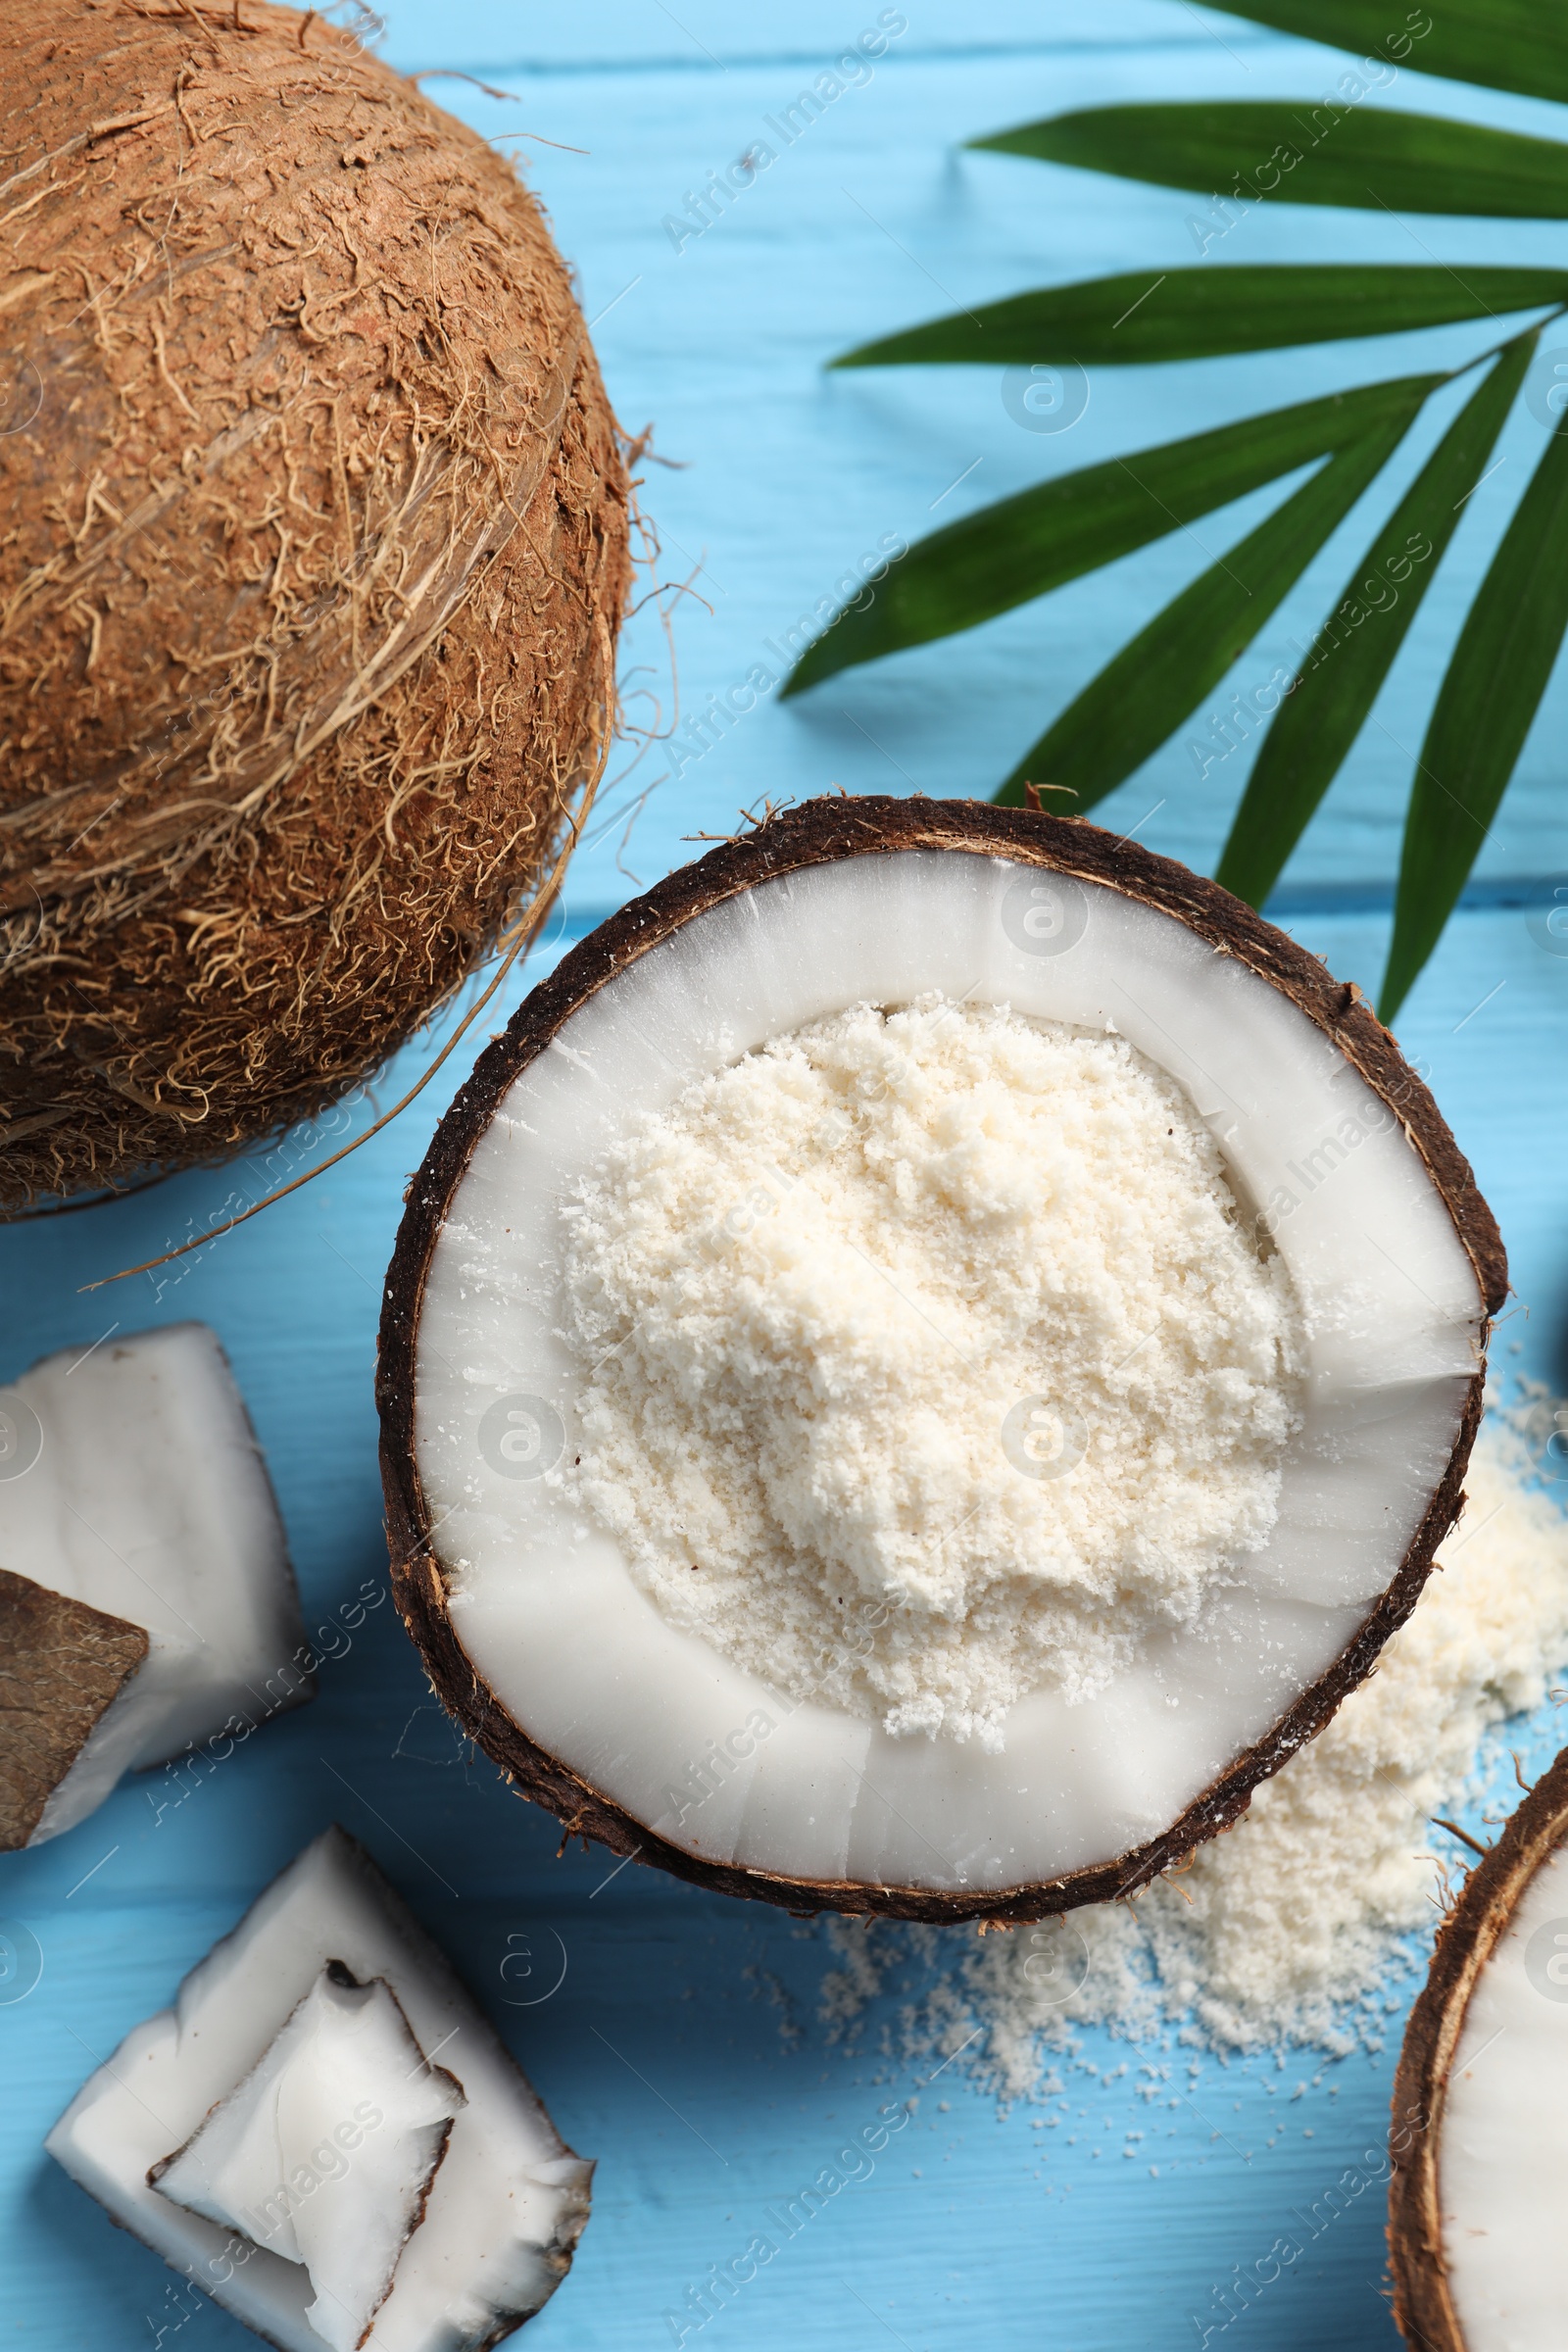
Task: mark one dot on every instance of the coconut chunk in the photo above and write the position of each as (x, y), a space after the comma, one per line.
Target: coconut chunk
(326, 2151)
(63, 1666)
(528, 1415)
(131, 1486)
(325, 2001)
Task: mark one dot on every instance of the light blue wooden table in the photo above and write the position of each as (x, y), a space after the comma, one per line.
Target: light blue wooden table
(662, 2052)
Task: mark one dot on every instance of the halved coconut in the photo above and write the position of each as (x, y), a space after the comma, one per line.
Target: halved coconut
(1300, 1180)
(147, 1602)
(285, 2138)
(1480, 2138)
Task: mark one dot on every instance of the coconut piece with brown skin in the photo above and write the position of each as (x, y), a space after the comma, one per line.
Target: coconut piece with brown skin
(147, 1604)
(1331, 1167)
(62, 1667)
(1480, 2104)
(316, 546)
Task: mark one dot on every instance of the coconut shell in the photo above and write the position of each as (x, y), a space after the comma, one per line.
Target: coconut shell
(1422, 2304)
(61, 1664)
(316, 544)
(820, 831)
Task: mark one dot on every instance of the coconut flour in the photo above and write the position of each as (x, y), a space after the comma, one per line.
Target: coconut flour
(928, 1361)
(1300, 1923)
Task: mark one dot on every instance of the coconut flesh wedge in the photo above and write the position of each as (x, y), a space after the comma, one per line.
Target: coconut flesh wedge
(1043, 1305)
(346, 2095)
(146, 1598)
(328, 2135)
(1480, 2138)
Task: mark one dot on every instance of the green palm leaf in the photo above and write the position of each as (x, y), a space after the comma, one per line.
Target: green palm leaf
(1504, 44)
(1022, 546)
(1199, 314)
(1505, 656)
(1353, 651)
(1334, 150)
(1142, 697)
(1302, 152)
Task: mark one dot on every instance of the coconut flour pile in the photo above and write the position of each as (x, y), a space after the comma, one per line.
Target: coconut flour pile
(1293, 1927)
(928, 1361)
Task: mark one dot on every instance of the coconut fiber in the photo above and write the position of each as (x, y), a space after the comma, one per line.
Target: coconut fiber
(314, 544)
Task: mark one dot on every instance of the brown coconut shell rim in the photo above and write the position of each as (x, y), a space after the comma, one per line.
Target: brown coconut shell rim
(1423, 2307)
(820, 832)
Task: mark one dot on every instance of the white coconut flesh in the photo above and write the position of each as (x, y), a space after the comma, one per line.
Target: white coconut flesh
(1502, 2156)
(131, 1479)
(222, 2086)
(716, 1757)
(325, 2152)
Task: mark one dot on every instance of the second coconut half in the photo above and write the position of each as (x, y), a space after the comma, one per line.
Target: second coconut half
(923, 1364)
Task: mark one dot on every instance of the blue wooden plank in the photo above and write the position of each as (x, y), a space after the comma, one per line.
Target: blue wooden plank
(972, 2225)
(627, 36)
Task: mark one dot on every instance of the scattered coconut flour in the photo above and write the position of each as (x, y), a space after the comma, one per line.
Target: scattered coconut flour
(850, 1311)
(1296, 1925)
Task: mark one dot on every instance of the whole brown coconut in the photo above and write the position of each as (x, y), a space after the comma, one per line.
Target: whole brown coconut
(314, 548)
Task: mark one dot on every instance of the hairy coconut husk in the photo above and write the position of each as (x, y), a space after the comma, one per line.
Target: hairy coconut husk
(316, 544)
(818, 832)
(1423, 2304)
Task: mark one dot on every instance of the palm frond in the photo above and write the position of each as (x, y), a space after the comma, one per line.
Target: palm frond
(1291, 151)
(1354, 651)
(1506, 652)
(1337, 151)
(1502, 44)
(1016, 549)
(1135, 319)
(1138, 700)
